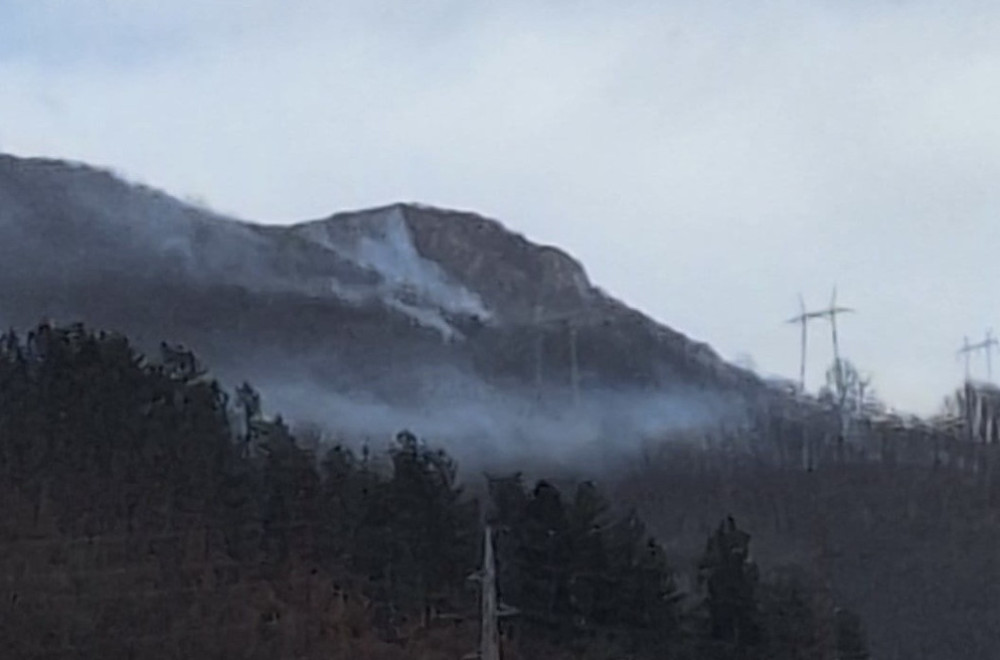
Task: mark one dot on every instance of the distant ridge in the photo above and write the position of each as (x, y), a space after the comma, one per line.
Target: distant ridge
(405, 307)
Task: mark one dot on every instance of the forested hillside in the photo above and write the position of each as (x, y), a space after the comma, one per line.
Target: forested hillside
(150, 514)
(366, 321)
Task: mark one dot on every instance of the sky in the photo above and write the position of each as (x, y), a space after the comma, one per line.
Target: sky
(706, 161)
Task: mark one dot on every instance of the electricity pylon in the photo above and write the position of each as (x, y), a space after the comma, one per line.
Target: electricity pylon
(830, 313)
(966, 352)
(987, 346)
(803, 319)
(570, 319)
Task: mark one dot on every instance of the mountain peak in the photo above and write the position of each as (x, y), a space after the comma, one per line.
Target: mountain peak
(406, 302)
(513, 275)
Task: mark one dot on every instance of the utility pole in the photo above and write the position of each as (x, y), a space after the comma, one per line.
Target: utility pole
(570, 319)
(803, 319)
(491, 610)
(966, 351)
(987, 346)
(974, 400)
(831, 313)
(489, 638)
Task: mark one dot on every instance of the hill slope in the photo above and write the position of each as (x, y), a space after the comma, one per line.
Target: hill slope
(401, 315)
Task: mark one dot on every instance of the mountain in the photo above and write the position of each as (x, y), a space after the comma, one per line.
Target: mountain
(405, 315)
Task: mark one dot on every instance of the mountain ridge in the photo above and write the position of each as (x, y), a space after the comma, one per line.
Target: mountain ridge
(383, 304)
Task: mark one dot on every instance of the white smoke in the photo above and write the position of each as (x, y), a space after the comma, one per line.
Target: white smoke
(482, 426)
(387, 247)
(476, 422)
(408, 282)
(210, 247)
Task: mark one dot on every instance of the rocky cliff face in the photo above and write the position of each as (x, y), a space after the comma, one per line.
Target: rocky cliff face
(512, 274)
(404, 312)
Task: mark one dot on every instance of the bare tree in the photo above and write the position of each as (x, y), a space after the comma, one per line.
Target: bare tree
(850, 390)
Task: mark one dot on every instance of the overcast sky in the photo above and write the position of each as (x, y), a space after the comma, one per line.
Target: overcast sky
(706, 161)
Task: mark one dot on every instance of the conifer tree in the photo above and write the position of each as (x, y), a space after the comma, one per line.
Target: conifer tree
(730, 578)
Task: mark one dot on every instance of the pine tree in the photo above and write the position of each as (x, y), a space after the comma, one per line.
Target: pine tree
(290, 503)
(433, 527)
(731, 581)
(579, 577)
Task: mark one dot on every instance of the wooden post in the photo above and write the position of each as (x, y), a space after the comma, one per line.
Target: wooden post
(489, 635)
(489, 641)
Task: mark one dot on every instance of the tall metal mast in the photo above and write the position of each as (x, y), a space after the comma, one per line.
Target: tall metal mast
(830, 313)
(803, 319)
(570, 320)
(966, 351)
(987, 346)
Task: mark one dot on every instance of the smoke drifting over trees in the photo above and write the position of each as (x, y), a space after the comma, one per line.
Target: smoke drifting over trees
(366, 321)
(648, 498)
(151, 513)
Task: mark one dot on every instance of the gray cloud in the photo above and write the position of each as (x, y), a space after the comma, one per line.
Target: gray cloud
(705, 160)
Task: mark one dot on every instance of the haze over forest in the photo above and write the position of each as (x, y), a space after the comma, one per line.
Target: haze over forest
(365, 323)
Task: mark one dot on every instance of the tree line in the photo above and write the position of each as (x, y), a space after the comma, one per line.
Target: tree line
(149, 512)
